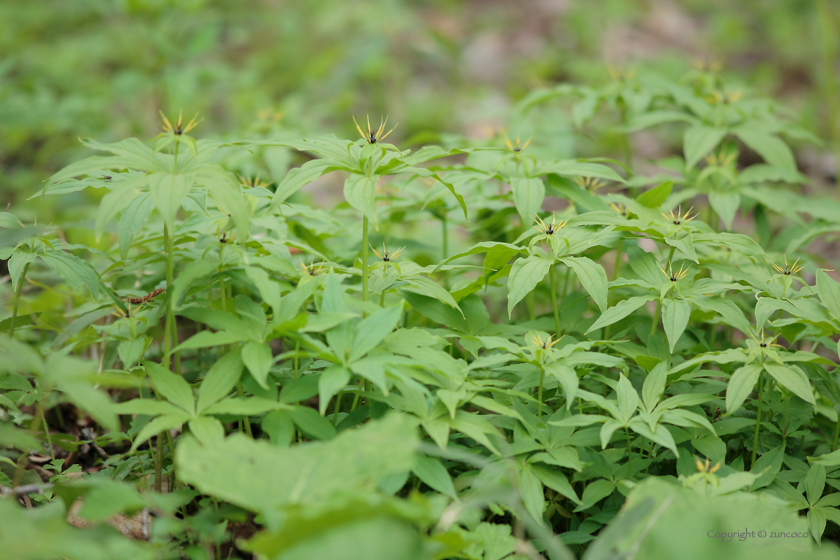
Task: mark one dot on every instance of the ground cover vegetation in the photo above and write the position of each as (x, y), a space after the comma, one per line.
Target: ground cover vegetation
(476, 348)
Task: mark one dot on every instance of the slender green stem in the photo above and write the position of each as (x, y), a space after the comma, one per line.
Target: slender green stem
(836, 435)
(757, 417)
(47, 435)
(617, 266)
(540, 392)
(159, 462)
(17, 298)
(337, 407)
(629, 453)
(553, 292)
(240, 393)
(365, 259)
(37, 419)
(531, 305)
(297, 360)
(170, 280)
(656, 318)
(358, 395)
(445, 227)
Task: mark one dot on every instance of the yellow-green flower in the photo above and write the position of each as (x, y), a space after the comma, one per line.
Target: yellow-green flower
(674, 276)
(386, 256)
(178, 129)
(679, 218)
(550, 228)
(374, 136)
(788, 269)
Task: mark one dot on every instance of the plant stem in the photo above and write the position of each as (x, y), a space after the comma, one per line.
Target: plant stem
(158, 462)
(656, 318)
(247, 422)
(530, 304)
(171, 324)
(297, 360)
(836, 435)
(17, 299)
(365, 259)
(540, 392)
(47, 434)
(629, 453)
(617, 266)
(757, 417)
(553, 293)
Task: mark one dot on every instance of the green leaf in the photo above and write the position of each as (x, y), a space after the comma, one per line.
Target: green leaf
(595, 492)
(258, 359)
(618, 312)
(108, 498)
(373, 330)
(828, 290)
(269, 290)
(793, 379)
(525, 274)
(528, 195)
(360, 193)
(332, 380)
(654, 386)
(592, 277)
(159, 425)
(656, 197)
(769, 146)
(171, 387)
(236, 469)
(675, 314)
(133, 218)
(568, 379)
(225, 191)
(207, 430)
(168, 192)
(556, 480)
(660, 434)
(73, 270)
(814, 483)
(741, 385)
(220, 379)
(312, 424)
(531, 490)
(299, 177)
(432, 472)
(699, 141)
(628, 398)
(187, 278)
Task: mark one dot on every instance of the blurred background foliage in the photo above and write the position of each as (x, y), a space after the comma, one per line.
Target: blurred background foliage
(104, 69)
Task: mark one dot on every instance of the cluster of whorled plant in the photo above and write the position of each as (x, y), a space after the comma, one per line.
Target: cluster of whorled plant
(659, 360)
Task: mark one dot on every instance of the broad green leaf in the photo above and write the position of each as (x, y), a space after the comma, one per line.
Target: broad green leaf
(594, 492)
(360, 193)
(157, 426)
(168, 192)
(225, 191)
(628, 398)
(236, 470)
(133, 218)
(220, 379)
(171, 387)
(332, 380)
(618, 312)
(675, 314)
(373, 330)
(793, 379)
(814, 483)
(73, 270)
(528, 195)
(592, 277)
(656, 197)
(207, 430)
(654, 386)
(299, 177)
(568, 379)
(531, 490)
(432, 472)
(187, 278)
(258, 359)
(829, 291)
(659, 435)
(740, 386)
(525, 274)
(769, 146)
(699, 141)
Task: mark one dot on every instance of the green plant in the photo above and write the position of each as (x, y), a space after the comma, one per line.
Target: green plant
(233, 322)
